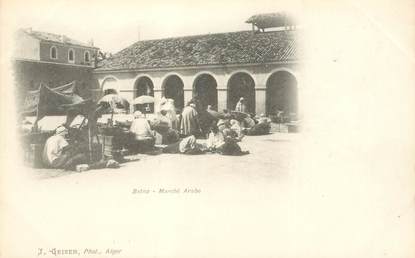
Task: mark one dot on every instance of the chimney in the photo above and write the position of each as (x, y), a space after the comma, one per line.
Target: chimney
(29, 30)
(63, 38)
(91, 42)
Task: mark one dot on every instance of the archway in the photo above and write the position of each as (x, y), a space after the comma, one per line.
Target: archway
(144, 86)
(241, 85)
(282, 94)
(173, 89)
(204, 89)
(109, 86)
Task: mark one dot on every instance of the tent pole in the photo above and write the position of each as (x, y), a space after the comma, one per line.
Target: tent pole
(83, 121)
(90, 144)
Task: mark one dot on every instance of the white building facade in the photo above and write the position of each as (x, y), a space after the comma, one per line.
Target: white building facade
(218, 69)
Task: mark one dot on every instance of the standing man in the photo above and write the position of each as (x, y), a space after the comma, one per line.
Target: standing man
(241, 106)
(189, 124)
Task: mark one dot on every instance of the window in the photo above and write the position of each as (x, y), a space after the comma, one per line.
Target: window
(86, 57)
(71, 56)
(53, 53)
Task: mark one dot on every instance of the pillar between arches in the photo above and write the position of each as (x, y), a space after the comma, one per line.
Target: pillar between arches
(222, 98)
(158, 94)
(260, 99)
(188, 95)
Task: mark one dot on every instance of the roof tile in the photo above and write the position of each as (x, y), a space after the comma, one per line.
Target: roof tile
(46, 36)
(211, 49)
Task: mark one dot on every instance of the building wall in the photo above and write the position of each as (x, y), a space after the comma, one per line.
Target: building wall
(222, 74)
(62, 53)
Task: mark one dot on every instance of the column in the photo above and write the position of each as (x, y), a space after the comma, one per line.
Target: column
(260, 99)
(222, 98)
(301, 92)
(158, 94)
(188, 95)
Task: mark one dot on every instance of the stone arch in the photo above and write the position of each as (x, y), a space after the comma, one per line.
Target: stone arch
(109, 85)
(144, 86)
(241, 84)
(282, 93)
(173, 88)
(205, 90)
(244, 71)
(285, 69)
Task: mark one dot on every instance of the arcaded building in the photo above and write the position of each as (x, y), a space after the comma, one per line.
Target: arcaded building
(263, 67)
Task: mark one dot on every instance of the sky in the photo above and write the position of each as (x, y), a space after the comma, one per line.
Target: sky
(114, 25)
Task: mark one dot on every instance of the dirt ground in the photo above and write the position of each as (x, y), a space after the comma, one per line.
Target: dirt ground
(189, 197)
(281, 200)
(262, 156)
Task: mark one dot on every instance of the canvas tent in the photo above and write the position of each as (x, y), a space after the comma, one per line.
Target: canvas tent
(39, 99)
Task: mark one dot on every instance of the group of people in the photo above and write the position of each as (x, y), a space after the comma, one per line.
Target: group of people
(171, 128)
(181, 134)
(221, 132)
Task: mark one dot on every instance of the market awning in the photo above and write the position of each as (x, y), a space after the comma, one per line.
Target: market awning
(31, 102)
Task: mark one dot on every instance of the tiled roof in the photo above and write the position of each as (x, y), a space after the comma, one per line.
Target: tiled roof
(46, 36)
(224, 48)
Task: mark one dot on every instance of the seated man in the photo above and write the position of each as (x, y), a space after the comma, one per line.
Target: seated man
(187, 145)
(249, 122)
(224, 122)
(144, 135)
(263, 119)
(57, 152)
(236, 126)
(164, 118)
(164, 127)
(168, 106)
(231, 146)
(263, 127)
(215, 139)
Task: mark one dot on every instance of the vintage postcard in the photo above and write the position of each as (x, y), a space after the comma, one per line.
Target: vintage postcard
(207, 128)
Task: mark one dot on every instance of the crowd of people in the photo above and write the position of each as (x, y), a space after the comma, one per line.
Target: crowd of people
(196, 130)
(221, 131)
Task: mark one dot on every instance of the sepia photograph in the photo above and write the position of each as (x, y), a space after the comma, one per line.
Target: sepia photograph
(81, 107)
(207, 129)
